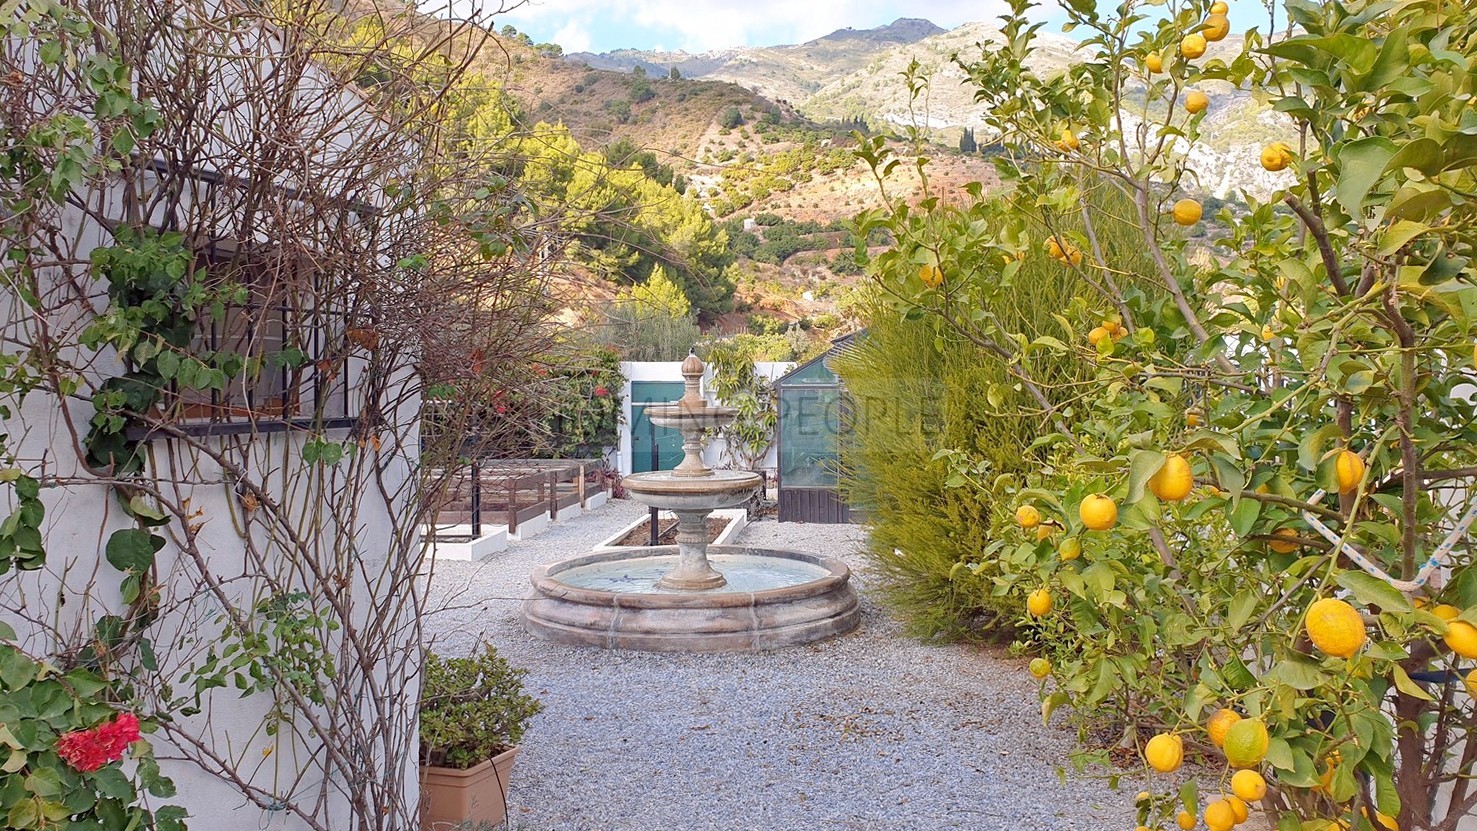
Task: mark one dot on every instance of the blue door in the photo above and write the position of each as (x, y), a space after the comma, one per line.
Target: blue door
(653, 447)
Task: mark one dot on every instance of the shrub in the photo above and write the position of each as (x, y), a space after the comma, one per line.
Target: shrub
(472, 708)
(730, 118)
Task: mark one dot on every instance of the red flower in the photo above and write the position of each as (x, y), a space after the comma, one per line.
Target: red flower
(88, 750)
(501, 410)
(119, 734)
(601, 392)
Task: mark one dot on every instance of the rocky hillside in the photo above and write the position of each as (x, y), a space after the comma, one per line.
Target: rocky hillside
(854, 74)
(780, 73)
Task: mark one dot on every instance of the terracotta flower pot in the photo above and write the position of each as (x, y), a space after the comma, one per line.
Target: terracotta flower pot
(452, 797)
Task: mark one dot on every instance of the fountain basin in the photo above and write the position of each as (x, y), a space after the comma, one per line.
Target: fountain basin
(772, 599)
(673, 492)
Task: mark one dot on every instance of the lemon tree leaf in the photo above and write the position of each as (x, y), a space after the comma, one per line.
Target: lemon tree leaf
(1141, 468)
(1310, 449)
(1242, 605)
(1397, 235)
(1372, 591)
(1363, 162)
(1407, 686)
(1237, 674)
(1300, 674)
(1190, 796)
(1385, 796)
(1279, 754)
(1243, 516)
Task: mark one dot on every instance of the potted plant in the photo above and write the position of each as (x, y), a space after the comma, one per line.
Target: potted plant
(472, 715)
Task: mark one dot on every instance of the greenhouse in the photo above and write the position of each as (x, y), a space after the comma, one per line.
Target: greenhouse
(812, 407)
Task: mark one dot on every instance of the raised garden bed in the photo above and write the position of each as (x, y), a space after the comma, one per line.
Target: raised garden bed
(724, 526)
(667, 531)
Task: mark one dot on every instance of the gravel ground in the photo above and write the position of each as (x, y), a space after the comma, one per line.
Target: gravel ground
(872, 730)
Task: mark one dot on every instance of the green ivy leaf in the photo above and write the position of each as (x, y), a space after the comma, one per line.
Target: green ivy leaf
(132, 549)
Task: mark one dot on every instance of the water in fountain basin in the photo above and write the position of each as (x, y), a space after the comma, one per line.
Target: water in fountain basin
(745, 573)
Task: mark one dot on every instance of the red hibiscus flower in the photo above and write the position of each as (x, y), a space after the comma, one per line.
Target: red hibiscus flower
(601, 392)
(88, 750)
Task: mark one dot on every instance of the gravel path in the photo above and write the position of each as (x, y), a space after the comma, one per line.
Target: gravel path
(872, 730)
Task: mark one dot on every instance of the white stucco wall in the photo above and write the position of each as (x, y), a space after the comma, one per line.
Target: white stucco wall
(58, 604)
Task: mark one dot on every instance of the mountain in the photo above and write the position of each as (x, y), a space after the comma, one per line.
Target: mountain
(856, 74)
(781, 73)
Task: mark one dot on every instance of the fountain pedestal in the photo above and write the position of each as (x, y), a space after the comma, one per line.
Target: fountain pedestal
(693, 571)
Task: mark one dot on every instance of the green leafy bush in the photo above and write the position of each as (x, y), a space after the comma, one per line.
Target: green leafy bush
(63, 745)
(472, 708)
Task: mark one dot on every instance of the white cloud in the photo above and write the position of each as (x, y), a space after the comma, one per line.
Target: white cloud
(574, 37)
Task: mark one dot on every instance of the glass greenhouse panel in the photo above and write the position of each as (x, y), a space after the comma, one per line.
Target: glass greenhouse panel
(815, 373)
(809, 421)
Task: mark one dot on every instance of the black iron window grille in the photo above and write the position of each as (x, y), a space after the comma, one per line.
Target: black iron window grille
(284, 343)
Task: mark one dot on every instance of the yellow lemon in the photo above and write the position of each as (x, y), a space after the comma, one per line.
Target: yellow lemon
(1350, 470)
(1187, 212)
(1193, 46)
(1219, 723)
(1043, 532)
(1074, 255)
(1446, 611)
(1283, 547)
(1193, 417)
(1238, 808)
(1248, 785)
(1143, 796)
(1070, 549)
(1471, 682)
(1217, 26)
(1070, 140)
(1219, 7)
(1040, 668)
(1154, 62)
(1026, 516)
(1054, 248)
(1165, 753)
(1097, 334)
(1461, 638)
(1185, 820)
(1098, 512)
(1039, 603)
(1335, 627)
(1246, 743)
(1276, 156)
(1220, 816)
(1196, 102)
(931, 275)
(1173, 482)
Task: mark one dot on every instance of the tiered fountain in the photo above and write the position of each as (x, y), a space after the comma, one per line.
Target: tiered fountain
(692, 597)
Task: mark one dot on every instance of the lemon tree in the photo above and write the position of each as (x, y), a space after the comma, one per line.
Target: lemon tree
(1267, 477)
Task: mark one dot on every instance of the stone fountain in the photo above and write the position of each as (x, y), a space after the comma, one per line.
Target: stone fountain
(692, 597)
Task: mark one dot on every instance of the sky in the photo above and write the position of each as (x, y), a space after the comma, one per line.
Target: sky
(702, 25)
